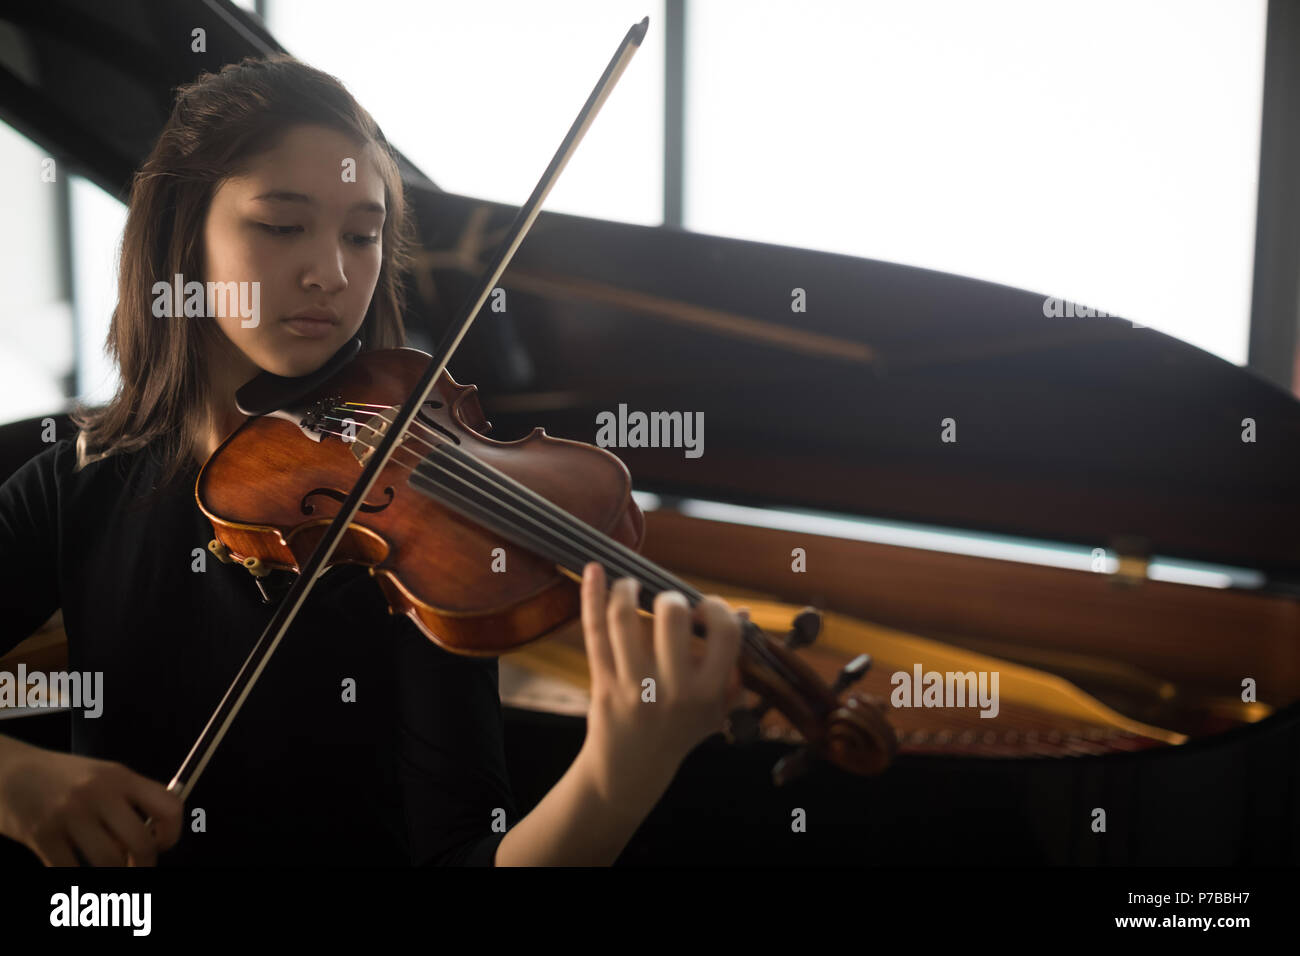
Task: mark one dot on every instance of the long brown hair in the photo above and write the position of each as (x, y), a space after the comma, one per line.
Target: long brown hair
(218, 123)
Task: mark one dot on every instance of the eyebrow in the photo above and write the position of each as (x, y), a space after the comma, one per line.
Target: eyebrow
(284, 195)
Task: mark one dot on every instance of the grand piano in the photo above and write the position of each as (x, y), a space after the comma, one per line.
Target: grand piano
(967, 480)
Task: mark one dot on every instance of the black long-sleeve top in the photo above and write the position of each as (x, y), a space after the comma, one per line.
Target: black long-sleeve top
(412, 772)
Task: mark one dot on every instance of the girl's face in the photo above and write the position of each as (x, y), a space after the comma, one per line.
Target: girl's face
(307, 226)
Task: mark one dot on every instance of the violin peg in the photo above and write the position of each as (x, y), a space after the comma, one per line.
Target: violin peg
(804, 629)
(851, 673)
(792, 766)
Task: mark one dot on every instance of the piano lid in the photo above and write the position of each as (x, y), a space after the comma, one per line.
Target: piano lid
(1076, 429)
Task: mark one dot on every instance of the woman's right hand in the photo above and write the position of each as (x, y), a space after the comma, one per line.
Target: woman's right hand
(68, 809)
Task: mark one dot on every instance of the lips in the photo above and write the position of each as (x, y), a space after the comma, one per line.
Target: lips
(312, 323)
(316, 315)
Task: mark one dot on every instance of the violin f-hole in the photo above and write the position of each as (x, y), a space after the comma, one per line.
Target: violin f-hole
(340, 497)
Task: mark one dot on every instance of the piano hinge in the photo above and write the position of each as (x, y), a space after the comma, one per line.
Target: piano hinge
(1131, 562)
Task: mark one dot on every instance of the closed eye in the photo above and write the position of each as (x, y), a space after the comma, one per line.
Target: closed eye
(279, 230)
(356, 239)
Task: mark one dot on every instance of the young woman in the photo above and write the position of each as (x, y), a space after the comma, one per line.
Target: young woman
(247, 184)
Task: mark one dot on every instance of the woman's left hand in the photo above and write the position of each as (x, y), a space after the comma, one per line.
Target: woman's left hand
(639, 732)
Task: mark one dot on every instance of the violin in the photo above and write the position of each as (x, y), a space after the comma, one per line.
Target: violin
(482, 542)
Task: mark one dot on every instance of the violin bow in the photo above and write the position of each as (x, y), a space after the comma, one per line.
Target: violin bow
(188, 774)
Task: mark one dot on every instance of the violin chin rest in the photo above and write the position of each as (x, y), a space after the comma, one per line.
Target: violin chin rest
(268, 393)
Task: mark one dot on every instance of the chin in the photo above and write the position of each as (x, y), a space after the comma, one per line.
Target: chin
(299, 361)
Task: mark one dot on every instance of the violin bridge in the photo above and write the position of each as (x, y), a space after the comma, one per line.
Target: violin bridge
(375, 428)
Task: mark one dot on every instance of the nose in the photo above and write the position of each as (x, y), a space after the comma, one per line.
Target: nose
(325, 267)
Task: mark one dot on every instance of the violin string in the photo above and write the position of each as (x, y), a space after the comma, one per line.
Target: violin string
(757, 644)
(595, 541)
(575, 557)
(612, 558)
(575, 528)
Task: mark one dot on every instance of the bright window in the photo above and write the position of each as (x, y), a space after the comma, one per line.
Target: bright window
(1104, 152)
(479, 95)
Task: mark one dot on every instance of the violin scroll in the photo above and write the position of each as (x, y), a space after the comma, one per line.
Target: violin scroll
(853, 734)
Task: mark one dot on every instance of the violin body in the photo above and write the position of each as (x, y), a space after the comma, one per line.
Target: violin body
(270, 490)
